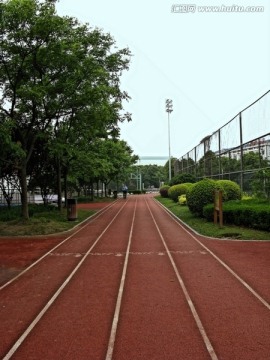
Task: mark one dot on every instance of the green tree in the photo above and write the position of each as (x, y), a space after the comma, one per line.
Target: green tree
(261, 184)
(152, 175)
(253, 160)
(183, 178)
(52, 71)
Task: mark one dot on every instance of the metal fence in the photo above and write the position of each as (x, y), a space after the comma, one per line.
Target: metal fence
(236, 151)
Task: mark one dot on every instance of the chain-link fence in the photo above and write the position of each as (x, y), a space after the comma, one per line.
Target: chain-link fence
(236, 151)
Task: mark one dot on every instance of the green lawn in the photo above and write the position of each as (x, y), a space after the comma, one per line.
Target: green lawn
(43, 221)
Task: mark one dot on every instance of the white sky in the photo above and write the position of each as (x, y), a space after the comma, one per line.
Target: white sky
(212, 65)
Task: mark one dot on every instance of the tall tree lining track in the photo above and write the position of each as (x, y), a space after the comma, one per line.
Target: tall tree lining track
(175, 299)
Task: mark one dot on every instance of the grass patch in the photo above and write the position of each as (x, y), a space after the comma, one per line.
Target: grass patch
(202, 226)
(43, 221)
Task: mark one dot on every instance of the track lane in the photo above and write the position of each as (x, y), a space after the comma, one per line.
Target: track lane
(249, 258)
(75, 231)
(77, 326)
(155, 321)
(237, 321)
(23, 300)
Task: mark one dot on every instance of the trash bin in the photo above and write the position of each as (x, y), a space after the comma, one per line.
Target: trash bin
(115, 194)
(71, 209)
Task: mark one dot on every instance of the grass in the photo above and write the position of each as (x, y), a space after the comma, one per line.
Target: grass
(43, 221)
(206, 228)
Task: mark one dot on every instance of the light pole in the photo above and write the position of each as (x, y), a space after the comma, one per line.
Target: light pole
(169, 109)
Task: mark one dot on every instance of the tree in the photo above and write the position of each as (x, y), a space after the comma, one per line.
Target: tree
(152, 175)
(52, 71)
(253, 160)
(104, 160)
(183, 178)
(261, 184)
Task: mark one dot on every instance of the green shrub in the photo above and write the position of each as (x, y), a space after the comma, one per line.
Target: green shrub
(250, 213)
(13, 213)
(201, 194)
(164, 191)
(182, 199)
(176, 190)
(232, 189)
(137, 192)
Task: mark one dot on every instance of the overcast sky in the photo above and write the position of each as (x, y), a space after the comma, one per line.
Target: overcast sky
(211, 64)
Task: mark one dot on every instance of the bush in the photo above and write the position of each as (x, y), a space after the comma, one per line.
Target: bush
(164, 191)
(182, 199)
(232, 189)
(137, 192)
(250, 213)
(176, 190)
(201, 194)
(13, 213)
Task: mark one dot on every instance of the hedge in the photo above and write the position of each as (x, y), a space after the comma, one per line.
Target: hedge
(176, 190)
(243, 213)
(164, 191)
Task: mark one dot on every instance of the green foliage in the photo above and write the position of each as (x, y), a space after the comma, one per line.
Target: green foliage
(166, 168)
(164, 191)
(261, 184)
(182, 178)
(204, 227)
(152, 175)
(201, 194)
(246, 196)
(176, 190)
(182, 199)
(60, 81)
(13, 212)
(231, 188)
(137, 192)
(252, 213)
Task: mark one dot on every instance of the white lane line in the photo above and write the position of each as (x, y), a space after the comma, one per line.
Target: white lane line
(120, 294)
(55, 296)
(96, 215)
(197, 319)
(242, 281)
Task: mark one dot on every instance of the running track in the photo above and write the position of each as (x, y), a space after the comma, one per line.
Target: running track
(134, 283)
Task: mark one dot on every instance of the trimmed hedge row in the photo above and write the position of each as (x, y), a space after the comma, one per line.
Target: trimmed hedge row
(164, 191)
(180, 189)
(252, 214)
(202, 193)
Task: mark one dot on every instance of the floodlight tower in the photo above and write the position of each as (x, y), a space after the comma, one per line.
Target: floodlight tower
(169, 109)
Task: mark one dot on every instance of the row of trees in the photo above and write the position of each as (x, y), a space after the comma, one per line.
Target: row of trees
(60, 101)
(212, 165)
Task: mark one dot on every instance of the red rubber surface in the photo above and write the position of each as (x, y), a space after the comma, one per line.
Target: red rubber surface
(155, 319)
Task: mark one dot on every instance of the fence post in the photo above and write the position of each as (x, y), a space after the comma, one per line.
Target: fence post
(241, 151)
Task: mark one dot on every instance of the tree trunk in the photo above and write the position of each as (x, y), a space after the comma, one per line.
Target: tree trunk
(59, 186)
(24, 200)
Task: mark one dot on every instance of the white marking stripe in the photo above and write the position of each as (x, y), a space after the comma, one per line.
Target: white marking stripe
(120, 294)
(55, 296)
(184, 252)
(177, 220)
(96, 215)
(197, 319)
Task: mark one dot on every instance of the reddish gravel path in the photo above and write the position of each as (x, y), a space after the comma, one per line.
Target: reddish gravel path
(182, 296)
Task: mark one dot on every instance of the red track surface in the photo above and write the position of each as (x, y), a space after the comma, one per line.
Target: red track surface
(181, 296)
